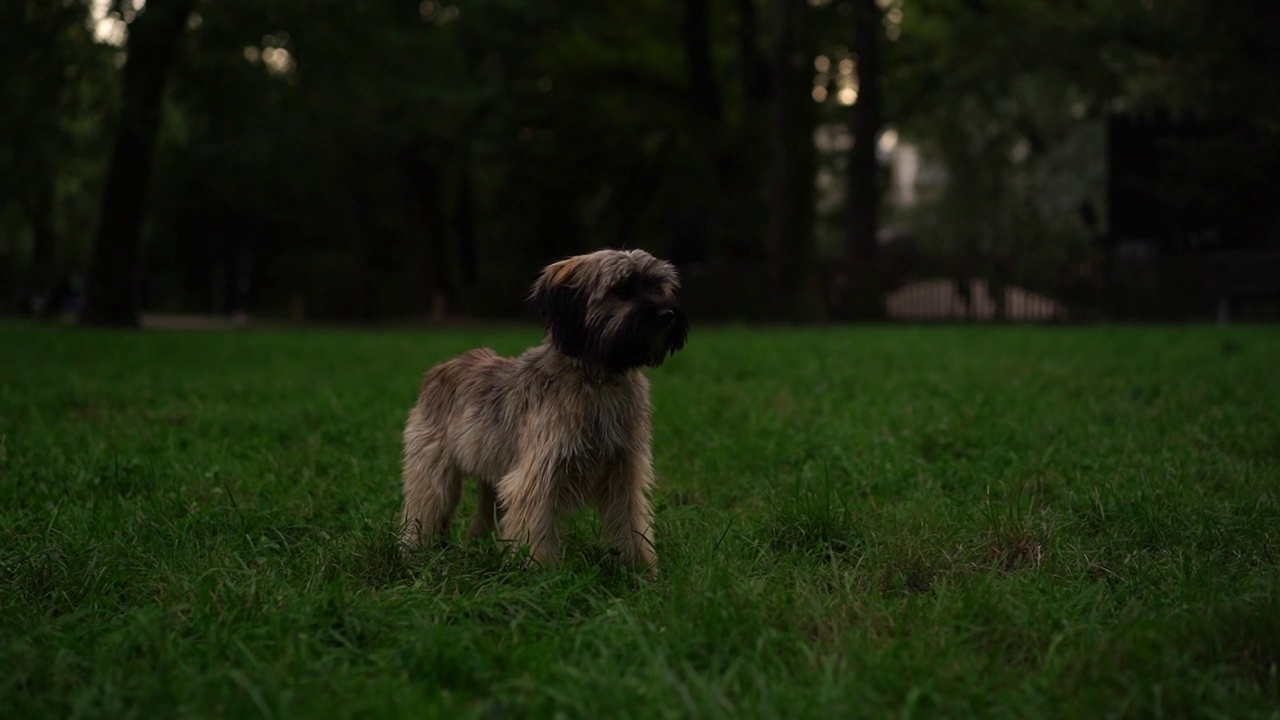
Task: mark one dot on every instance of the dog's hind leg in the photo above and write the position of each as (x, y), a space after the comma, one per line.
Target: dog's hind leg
(432, 488)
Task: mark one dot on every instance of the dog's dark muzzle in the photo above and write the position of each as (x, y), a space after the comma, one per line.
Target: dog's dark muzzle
(647, 337)
(673, 327)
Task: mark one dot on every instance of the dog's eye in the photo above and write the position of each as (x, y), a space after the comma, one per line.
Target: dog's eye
(624, 291)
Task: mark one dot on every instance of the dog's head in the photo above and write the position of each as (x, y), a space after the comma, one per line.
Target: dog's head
(613, 308)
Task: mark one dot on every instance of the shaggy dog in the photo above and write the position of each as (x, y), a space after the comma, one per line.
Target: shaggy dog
(565, 424)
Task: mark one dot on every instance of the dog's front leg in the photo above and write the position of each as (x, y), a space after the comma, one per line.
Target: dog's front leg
(529, 513)
(626, 514)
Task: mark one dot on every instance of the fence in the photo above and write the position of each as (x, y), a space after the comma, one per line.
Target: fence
(1143, 288)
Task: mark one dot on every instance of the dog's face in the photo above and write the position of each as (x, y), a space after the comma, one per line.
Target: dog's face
(614, 308)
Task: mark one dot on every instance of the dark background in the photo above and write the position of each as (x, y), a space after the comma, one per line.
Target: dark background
(799, 160)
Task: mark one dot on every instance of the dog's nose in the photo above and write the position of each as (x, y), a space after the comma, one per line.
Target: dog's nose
(666, 316)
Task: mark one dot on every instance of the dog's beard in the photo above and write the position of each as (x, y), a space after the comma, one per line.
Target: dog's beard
(640, 339)
(668, 340)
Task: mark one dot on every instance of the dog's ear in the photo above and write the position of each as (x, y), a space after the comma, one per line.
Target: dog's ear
(560, 299)
(671, 275)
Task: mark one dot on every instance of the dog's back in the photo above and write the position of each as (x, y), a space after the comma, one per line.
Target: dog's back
(461, 407)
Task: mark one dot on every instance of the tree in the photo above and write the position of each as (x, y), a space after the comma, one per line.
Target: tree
(113, 283)
(1007, 97)
(696, 223)
(749, 150)
(791, 229)
(59, 80)
(864, 126)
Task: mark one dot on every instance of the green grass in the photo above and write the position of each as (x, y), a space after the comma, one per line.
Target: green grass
(892, 522)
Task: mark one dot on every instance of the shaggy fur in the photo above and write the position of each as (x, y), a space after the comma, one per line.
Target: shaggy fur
(565, 424)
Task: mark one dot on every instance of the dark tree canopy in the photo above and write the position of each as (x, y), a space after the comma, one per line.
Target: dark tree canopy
(797, 158)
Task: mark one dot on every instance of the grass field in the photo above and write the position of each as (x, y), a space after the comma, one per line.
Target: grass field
(888, 522)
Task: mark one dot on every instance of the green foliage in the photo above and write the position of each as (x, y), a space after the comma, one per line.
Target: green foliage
(58, 87)
(1009, 97)
(874, 522)
(1012, 97)
(371, 156)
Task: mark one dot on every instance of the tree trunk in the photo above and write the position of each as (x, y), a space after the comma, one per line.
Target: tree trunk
(114, 272)
(866, 298)
(44, 256)
(704, 95)
(864, 125)
(695, 224)
(794, 162)
(754, 67)
(426, 251)
(438, 255)
(465, 222)
(746, 187)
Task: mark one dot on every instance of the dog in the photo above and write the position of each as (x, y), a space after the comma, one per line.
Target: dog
(566, 424)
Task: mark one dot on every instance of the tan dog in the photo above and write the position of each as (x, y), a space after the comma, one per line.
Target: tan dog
(566, 423)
